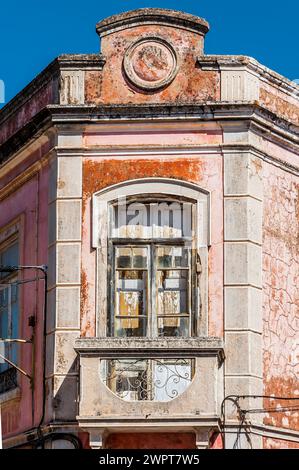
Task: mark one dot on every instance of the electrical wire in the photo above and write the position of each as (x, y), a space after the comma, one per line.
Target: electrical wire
(244, 426)
(24, 281)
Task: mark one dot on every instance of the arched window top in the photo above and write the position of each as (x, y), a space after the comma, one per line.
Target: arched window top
(151, 208)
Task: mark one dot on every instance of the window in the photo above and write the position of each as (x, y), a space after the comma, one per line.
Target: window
(151, 238)
(152, 268)
(147, 379)
(9, 316)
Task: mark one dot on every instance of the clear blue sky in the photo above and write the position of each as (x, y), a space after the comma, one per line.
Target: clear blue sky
(33, 32)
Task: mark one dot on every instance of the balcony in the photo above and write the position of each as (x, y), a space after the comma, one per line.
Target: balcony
(165, 384)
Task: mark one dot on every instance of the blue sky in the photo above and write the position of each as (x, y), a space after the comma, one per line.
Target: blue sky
(32, 32)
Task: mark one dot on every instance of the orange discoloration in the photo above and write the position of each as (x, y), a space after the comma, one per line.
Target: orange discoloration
(280, 295)
(190, 84)
(269, 443)
(83, 300)
(93, 86)
(278, 104)
(98, 175)
(282, 387)
(206, 172)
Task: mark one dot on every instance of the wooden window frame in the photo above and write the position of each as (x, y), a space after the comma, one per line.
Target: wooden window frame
(141, 189)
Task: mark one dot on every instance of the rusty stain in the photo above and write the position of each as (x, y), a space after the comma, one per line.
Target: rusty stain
(84, 297)
(60, 184)
(190, 83)
(280, 296)
(269, 443)
(283, 387)
(93, 86)
(257, 164)
(98, 175)
(278, 104)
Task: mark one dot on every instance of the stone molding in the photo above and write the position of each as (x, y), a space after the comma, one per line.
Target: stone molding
(152, 16)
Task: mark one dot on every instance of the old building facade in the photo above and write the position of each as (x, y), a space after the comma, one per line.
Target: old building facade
(149, 200)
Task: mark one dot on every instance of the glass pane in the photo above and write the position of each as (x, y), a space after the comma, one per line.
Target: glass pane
(173, 326)
(173, 257)
(130, 303)
(139, 257)
(181, 257)
(3, 324)
(123, 257)
(172, 301)
(130, 327)
(164, 257)
(3, 334)
(172, 292)
(124, 274)
(9, 257)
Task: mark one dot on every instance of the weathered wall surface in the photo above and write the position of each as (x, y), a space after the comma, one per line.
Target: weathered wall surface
(279, 444)
(28, 204)
(281, 295)
(191, 84)
(279, 102)
(37, 101)
(100, 172)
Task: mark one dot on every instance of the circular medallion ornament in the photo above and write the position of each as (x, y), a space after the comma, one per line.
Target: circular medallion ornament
(150, 63)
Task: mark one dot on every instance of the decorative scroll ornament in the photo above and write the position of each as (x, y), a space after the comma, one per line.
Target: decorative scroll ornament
(150, 63)
(147, 379)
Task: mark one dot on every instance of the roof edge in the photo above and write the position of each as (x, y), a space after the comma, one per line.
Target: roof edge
(163, 16)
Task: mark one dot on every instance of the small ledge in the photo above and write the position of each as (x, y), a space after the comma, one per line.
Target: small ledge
(145, 347)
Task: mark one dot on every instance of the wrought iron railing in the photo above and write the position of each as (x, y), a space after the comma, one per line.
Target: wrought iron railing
(147, 379)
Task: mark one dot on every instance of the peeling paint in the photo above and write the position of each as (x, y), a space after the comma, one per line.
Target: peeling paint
(281, 295)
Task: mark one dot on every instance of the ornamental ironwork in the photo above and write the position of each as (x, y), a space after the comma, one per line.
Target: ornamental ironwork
(147, 379)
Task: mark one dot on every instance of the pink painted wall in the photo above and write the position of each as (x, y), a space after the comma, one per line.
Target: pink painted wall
(30, 202)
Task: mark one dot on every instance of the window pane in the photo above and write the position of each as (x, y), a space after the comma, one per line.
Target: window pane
(9, 322)
(130, 327)
(130, 303)
(123, 258)
(173, 257)
(9, 257)
(139, 257)
(173, 326)
(173, 291)
(181, 257)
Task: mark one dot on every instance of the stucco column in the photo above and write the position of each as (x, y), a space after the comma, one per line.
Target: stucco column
(64, 278)
(243, 284)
